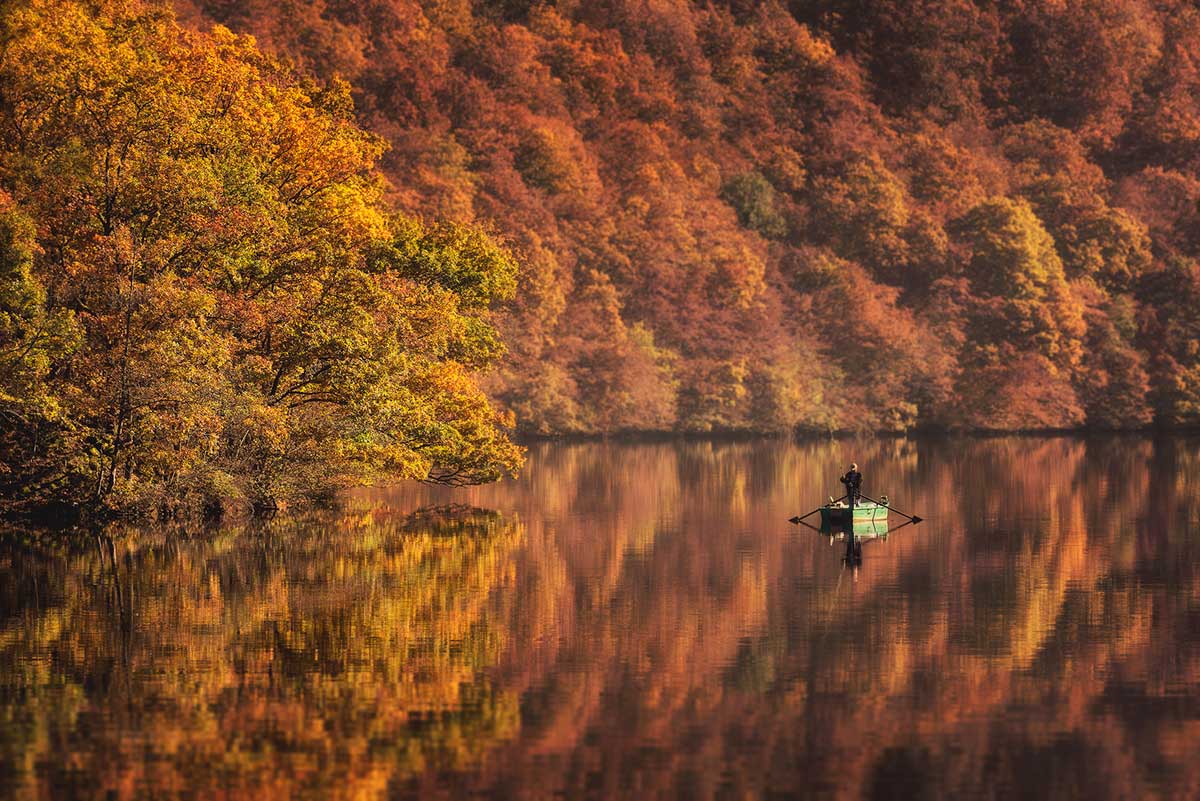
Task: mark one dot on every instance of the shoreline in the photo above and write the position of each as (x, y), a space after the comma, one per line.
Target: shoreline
(810, 435)
(67, 517)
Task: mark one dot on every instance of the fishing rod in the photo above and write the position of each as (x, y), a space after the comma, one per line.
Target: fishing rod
(912, 518)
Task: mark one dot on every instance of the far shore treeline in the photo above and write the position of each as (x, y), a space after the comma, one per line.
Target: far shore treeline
(255, 251)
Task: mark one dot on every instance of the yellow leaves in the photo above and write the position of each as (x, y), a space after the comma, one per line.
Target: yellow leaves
(549, 156)
(785, 167)
(216, 220)
(813, 50)
(788, 45)
(1013, 255)
(866, 207)
(739, 275)
(269, 425)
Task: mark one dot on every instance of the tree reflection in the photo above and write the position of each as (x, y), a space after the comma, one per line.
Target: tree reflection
(973, 652)
(637, 621)
(307, 657)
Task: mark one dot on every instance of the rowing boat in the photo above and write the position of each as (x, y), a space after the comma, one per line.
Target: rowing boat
(838, 513)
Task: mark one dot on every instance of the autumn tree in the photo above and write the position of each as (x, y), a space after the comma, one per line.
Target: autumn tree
(1024, 325)
(36, 436)
(208, 220)
(1171, 298)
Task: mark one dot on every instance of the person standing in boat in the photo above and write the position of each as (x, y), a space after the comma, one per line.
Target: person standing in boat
(853, 481)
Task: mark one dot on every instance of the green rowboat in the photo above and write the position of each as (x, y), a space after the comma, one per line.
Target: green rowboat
(838, 513)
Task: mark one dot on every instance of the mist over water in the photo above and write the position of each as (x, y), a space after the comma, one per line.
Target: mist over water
(634, 621)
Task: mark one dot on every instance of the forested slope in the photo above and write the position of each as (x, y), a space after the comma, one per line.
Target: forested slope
(739, 215)
(203, 299)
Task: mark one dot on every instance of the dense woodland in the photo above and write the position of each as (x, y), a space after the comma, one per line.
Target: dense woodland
(202, 298)
(765, 215)
(726, 216)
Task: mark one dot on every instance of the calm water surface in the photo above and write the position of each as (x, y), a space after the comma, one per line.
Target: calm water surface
(634, 621)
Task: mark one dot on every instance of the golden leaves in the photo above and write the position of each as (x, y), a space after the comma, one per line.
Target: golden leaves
(209, 218)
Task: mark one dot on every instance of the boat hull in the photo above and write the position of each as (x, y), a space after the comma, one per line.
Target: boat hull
(833, 515)
(862, 529)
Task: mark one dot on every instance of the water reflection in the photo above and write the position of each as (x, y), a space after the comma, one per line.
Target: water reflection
(308, 657)
(853, 535)
(635, 621)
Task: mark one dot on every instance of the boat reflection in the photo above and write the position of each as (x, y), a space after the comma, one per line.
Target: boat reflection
(860, 529)
(855, 535)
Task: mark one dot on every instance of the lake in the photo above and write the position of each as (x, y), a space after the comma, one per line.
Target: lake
(634, 621)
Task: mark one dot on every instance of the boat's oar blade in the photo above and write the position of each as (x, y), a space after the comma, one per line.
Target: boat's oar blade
(793, 519)
(916, 519)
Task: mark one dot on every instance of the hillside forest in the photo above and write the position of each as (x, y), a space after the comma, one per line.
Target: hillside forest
(825, 214)
(252, 250)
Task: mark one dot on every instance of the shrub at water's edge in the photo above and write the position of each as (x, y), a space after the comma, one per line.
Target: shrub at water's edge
(202, 301)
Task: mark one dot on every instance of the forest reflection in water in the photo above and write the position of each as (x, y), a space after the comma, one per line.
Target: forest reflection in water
(633, 621)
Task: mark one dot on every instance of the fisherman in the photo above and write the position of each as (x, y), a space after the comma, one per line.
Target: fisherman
(853, 481)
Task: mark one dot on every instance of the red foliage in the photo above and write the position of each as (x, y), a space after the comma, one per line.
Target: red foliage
(698, 189)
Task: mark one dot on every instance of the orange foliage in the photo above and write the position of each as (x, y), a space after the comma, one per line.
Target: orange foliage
(692, 154)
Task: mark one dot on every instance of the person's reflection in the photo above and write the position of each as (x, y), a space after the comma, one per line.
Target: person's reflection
(853, 556)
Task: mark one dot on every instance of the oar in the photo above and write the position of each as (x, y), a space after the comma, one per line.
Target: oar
(800, 522)
(813, 512)
(913, 518)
